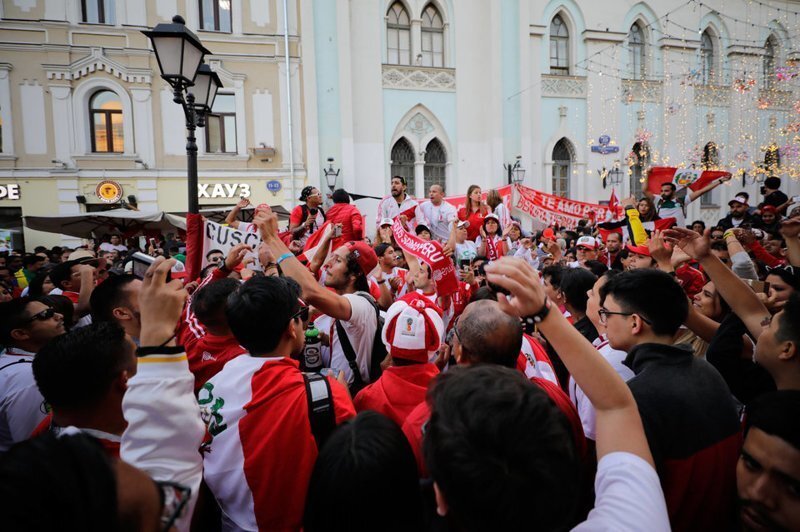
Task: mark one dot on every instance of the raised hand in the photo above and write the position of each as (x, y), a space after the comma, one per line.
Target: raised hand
(790, 228)
(267, 223)
(658, 250)
(244, 202)
(520, 279)
(695, 245)
(160, 303)
(236, 256)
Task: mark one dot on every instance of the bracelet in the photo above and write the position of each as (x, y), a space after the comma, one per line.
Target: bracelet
(283, 257)
(542, 314)
(728, 233)
(381, 281)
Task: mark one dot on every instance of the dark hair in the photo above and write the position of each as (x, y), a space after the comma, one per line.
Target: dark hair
(489, 335)
(483, 293)
(369, 460)
(773, 182)
(575, 282)
(211, 252)
(29, 259)
(670, 184)
(40, 249)
(554, 272)
(380, 249)
(61, 304)
(75, 370)
(13, 315)
(74, 483)
(361, 284)
(501, 451)
(788, 331)
(787, 275)
(108, 295)
(743, 193)
(596, 267)
(35, 286)
(340, 195)
(259, 312)
(208, 303)
(401, 178)
(62, 272)
(701, 222)
(652, 294)
(776, 413)
(206, 271)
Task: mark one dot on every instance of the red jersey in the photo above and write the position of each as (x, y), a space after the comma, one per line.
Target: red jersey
(209, 354)
(534, 362)
(475, 220)
(397, 392)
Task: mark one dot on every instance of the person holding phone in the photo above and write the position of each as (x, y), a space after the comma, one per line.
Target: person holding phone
(346, 219)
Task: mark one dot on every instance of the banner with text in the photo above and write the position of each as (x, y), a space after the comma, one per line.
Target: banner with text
(204, 236)
(429, 252)
(551, 209)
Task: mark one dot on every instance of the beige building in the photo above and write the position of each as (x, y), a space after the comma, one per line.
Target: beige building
(82, 102)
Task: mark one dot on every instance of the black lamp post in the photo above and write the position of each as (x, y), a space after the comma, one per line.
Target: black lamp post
(516, 173)
(330, 175)
(611, 177)
(180, 58)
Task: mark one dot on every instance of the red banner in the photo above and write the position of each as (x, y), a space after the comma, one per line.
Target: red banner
(560, 211)
(681, 177)
(429, 252)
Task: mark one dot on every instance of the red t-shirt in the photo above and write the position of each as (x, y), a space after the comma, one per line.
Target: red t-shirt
(690, 279)
(475, 220)
(397, 392)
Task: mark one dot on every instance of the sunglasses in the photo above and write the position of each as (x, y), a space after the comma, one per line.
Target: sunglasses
(302, 313)
(44, 315)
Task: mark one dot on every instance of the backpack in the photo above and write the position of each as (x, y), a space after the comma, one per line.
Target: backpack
(321, 414)
(377, 354)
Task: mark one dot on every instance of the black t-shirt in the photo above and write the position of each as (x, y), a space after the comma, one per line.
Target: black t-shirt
(776, 199)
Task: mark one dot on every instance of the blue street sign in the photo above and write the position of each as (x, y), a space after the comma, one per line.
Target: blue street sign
(274, 186)
(603, 146)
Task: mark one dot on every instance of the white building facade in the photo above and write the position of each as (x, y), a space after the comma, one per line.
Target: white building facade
(446, 91)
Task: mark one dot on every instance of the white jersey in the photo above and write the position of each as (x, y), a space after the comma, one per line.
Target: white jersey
(389, 208)
(440, 217)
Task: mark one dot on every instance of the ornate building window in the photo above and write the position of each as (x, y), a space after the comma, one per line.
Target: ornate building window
(769, 62)
(638, 52)
(403, 162)
(105, 118)
(640, 162)
(221, 125)
(559, 47)
(398, 35)
(98, 11)
(707, 59)
(432, 37)
(562, 168)
(435, 164)
(215, 15)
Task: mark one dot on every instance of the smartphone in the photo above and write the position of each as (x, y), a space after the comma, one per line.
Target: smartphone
(758, 286)
(463, 263)
(141, 263)
(337, 230)
(153, 243)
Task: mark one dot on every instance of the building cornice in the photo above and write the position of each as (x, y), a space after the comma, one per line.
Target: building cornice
(94, 62)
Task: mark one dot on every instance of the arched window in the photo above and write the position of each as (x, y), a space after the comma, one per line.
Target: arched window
(638, 53)
(105, 118)
(770, 58)
(710, 161)
(562, 168)
(432, 37)
(559, 47)
(403, 162)
(398, 35)
(640, 159)
(707, 59)
(435, 163)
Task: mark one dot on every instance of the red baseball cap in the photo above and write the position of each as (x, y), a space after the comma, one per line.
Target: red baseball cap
(639, 250)
(365, 255)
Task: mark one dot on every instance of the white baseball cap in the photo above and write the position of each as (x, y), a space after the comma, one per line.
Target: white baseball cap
(386, 221)
(587, 242)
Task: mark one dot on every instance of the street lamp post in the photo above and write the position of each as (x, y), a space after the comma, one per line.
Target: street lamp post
(611, 177)
(331, 175)
(516, 173)
(180, 58)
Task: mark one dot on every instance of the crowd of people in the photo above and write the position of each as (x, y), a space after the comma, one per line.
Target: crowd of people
(632, 374)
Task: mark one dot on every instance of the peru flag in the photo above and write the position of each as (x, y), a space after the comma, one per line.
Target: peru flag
(682, 177)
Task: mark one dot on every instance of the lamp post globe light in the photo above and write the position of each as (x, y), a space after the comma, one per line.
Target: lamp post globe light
(180, 58)
(331, 175)
(516, 173)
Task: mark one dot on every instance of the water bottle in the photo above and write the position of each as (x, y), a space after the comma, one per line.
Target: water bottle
(312, 358)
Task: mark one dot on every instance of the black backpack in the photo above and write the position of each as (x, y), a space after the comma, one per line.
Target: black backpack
(376, 356)
(321, 415)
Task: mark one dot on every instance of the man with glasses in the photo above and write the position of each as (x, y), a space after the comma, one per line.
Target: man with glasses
(26, 325)
(307, 217)
(689, 416)
(263, 445)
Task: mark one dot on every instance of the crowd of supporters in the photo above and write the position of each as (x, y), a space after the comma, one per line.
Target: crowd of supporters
(632, 374)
